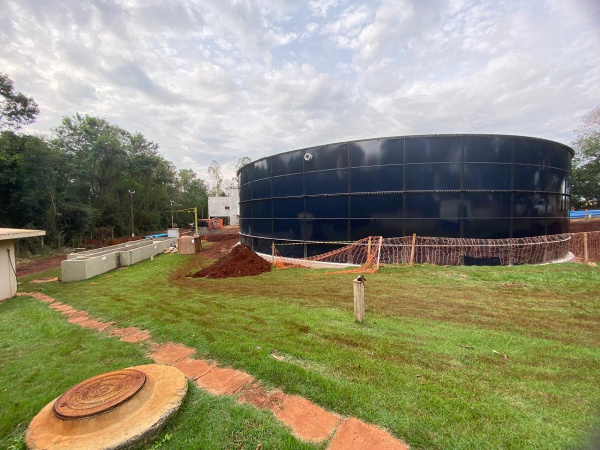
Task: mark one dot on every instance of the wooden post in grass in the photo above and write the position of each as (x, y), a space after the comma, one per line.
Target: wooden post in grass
(273, 254)
(379, 251)
(359, 300)
(412, 249)
(585, 247)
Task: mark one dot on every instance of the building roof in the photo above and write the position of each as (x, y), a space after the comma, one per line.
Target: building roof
(7, 234)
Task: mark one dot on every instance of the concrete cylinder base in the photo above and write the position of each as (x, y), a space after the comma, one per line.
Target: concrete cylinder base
(136, 421)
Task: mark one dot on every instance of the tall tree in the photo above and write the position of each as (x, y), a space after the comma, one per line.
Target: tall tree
(240, 163)
(108, 163)
(585, 185)
(214, 172)
(193, 191)
(16, 109)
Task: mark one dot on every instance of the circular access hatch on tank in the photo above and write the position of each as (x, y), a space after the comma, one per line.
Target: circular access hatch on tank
(99, 394)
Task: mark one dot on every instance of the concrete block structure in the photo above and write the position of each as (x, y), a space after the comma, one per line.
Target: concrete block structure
(84, 265)
(189, 245)
(8, 263)
(226, 208)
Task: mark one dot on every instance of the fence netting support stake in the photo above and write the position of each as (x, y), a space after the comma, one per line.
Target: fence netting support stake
(412, 249)
(359, 300)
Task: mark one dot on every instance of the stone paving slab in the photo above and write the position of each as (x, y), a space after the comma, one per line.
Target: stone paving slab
(308, 421)
(170, 353)
(94, 324)
(65, 309)
(193, 368)
(44, 280)
(354, 434)
(224, 381)
(124, 331)
(58, 306)
(256, 395)
(138, 336)
(79, 317)
(72, 313)
(37, 295)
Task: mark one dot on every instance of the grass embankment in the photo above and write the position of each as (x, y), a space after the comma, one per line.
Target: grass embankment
(428, 363)
(42, 355)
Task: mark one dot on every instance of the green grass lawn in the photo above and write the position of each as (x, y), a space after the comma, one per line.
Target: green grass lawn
(427, 364)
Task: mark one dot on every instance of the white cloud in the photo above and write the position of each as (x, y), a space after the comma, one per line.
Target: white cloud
(320, 8)
(208, 79)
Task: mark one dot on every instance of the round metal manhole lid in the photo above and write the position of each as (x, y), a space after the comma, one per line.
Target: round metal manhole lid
(99, 394)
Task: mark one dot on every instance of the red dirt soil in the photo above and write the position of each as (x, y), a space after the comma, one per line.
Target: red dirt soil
(38, 265)
(582, 225)
(240, 262)
(220, 237)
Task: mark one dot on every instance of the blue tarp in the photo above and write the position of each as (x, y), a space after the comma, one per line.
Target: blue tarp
(581, 214)
(155, 236)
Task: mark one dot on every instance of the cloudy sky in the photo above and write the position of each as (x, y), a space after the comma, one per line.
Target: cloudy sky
(222, 79)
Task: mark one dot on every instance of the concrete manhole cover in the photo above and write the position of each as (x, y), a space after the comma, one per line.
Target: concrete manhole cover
(99, 394)
(111, 411)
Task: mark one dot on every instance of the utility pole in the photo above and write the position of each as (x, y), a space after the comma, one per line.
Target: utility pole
(172, 225)
(131, 193)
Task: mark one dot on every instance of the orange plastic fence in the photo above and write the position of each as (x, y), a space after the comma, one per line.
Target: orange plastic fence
(368, 253)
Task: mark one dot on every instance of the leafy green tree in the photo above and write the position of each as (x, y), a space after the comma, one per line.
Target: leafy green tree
(585, 183)
(192, 192)
(108, 162)
(16, 109)
(11, 175)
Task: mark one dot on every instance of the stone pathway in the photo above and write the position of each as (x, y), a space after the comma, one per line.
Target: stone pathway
(308, 421)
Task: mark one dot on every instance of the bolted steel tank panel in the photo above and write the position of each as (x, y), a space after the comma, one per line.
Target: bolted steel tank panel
(470, 186)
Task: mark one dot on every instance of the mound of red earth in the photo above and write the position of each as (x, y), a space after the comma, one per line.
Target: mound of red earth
(239, 262)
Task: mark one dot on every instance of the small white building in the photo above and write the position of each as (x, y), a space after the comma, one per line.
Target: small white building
(226, 208)
(8, 263)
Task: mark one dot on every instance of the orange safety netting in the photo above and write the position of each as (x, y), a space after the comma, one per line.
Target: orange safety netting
(364, 254)
(367, 254)
(585, 246)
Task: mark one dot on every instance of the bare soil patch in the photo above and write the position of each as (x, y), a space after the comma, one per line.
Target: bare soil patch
(583, 225)
(27, 267)
(240, 262)
(219, 247)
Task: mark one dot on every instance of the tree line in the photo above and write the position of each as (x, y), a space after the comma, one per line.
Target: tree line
(85, 179)
(585, 181)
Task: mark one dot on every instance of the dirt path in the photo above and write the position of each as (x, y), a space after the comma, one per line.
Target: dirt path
(308, 421)
(27, 267)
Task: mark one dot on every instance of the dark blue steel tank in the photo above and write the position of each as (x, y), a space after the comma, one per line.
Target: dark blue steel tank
(469, 186)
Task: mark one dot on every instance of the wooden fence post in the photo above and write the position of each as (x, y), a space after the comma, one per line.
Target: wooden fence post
(359, 300)
(379, 251)
(412, 249)
(585, 247)
(273, 254)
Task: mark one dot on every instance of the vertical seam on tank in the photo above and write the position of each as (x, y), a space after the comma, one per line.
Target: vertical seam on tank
(404, 187)
(349, 225)
(461, 213)
(512, 189)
